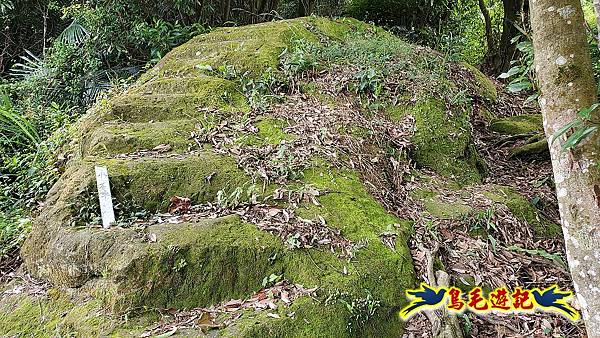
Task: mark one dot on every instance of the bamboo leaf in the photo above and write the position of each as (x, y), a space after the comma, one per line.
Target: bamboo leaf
(563, 130)
(578, 136)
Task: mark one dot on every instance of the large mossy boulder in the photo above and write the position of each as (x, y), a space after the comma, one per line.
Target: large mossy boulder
(196, 264)
(209, 123)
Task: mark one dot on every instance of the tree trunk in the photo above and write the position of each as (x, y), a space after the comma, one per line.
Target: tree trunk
(564, 70)
(506, 49)
(305, 7)
(301, 9)
(226, 10)
(489, 35)
(311, 6)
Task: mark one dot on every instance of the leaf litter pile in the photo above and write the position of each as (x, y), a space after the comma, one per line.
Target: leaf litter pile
(295, 231)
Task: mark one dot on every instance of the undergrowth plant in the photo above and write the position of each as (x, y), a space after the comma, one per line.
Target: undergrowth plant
(521, 75)
(15, 130)
(301, 57)
(248, 193)
(13, 230)
(86, 209)
(361, 309)
(259, 90)
(582, 128)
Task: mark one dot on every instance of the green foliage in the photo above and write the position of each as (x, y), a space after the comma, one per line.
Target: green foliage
(87, 210)
(557, 259)
(271, 279)
(259, 91)
(368, 81)
(293, 8)
(583, 126)
(300, 58)
(26, 162)
(27, 177)
(13, 230)
(32, 66)
(522, 72)
(88, 48)
(74, 34)
(594, 47)
(361, 309)
(239, 195)
(161, 36)
(462, 36)
(15, 130)
(29, 167)
(6, 6)
(27, 25)
(481, 221)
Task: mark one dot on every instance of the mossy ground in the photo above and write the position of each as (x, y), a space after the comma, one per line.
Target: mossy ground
(54, 315)
(460, 208)
(123, 138)
(150, 182)
(523, 209)
(270, 131)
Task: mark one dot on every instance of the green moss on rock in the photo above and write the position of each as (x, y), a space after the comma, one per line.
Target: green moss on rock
(270, 131)
(338, 29)
(177, 98)
(538, 149)
(361, 218)
(444, 210)
(523, 209)
(194, 265)
(122, 138)
(54, 315)
(208, 261)
(520, 124)
(443, 142)
(313, 318)
(252, 48)
(481, 84)
(382, 272)
(150, 182)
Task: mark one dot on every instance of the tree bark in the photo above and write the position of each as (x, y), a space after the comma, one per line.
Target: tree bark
(564, 70)
(305, 7)
(226, 10)
(301, 9)
(506, 49)
(489, 35)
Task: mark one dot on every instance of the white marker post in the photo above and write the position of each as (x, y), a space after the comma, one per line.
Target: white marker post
(106, 206)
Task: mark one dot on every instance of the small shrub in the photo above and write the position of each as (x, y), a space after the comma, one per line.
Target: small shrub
(13, 230)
